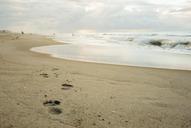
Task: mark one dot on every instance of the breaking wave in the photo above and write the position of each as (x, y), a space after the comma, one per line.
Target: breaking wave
(176, 43)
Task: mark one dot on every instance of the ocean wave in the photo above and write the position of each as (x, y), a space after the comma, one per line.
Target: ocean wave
(171, 44)
(178, 43)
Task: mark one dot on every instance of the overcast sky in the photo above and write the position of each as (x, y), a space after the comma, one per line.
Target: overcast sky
(95, 15)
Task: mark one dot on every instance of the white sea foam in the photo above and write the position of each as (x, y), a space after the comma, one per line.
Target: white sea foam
(180, 43)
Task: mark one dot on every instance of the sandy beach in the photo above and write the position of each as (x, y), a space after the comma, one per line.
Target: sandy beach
(39, 91)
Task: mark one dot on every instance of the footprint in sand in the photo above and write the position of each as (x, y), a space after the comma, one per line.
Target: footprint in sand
(45, 75)
(55, 110)
(56, 75)
(66, 86)
(51, 103)
(55, 69)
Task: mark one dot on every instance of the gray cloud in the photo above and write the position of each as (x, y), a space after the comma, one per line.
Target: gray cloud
(187, 9)
(98, 15)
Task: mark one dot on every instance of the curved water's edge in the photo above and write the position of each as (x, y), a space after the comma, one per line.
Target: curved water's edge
(104, 55)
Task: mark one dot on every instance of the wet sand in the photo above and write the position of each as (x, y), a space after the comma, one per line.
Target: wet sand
(37, 90)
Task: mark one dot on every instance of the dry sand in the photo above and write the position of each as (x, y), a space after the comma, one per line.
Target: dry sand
(100, 95)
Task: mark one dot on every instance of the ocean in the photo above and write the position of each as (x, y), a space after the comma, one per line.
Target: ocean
(156, 50)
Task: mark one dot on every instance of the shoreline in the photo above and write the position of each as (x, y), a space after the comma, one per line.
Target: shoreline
(33, 49)
(104, 63)
(100, 95)
(79, 53)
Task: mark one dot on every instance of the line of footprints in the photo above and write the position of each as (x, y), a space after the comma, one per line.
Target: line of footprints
(52, 104)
